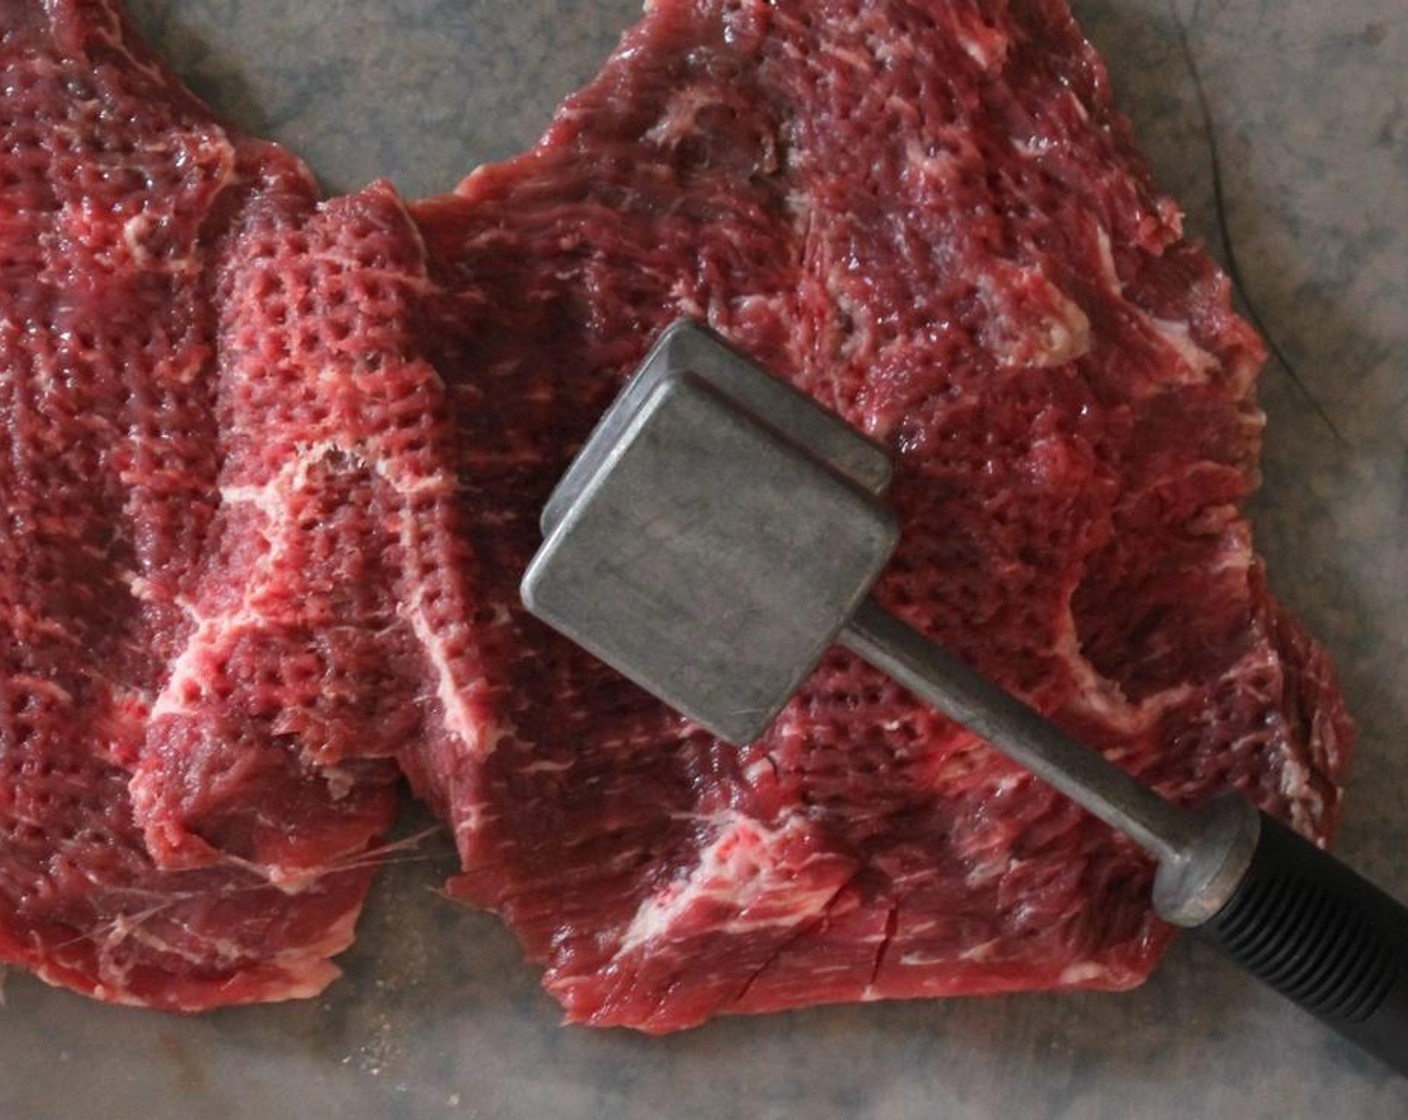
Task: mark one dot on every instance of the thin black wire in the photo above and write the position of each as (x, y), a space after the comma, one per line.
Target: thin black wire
(1224, 229)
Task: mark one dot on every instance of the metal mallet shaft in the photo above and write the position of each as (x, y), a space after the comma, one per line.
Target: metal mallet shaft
(1085, 776)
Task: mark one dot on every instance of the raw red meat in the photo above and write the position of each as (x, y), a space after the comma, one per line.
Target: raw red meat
(202, 665)
(930, 216)
(271, 472)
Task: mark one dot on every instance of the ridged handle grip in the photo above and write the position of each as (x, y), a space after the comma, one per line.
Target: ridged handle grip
(1322, 936)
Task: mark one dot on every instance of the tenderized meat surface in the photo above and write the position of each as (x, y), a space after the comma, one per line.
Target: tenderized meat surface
(272, 471)
(930, 217)
(203, 416)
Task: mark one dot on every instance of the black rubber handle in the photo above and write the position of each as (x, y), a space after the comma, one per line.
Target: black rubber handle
(1322, 936)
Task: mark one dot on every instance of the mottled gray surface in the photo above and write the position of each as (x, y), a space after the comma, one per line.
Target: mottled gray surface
(438, 1017)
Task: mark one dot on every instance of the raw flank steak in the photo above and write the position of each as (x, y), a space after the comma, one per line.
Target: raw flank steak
(271, 471)
(206, 662)
(930, 217)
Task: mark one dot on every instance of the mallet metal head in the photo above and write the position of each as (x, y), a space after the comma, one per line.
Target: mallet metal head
(714, 534)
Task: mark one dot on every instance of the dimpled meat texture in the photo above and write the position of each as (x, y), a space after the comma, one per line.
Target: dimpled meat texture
(271, 471)
(207, 474)
(930, 217)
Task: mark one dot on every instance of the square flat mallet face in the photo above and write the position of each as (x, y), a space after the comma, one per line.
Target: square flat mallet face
(705, 555)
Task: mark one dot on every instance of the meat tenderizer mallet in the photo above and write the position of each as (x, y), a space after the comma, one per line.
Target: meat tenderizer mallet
(720, 530)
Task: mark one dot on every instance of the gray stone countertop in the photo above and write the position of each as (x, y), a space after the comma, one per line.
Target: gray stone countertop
(1282, 126)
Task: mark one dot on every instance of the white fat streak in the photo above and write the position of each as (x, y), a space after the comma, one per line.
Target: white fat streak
(989, 870)
(1032, 149)
(851, 56)
(38, 686)
(1295, 781)
(271, 497)
(124, 929)
(1108, 272)
(457, 716)
(983, 951)
(897, 48)
(759, 770)
(137, 228)
(1103, 698)
(546, 766)
(213, 631)
(265, 498)
(1199, 363)
(1051, 339)
(682, 295)
(1237, 556)
(440, 482)
(718, 876)
(459, 720)
(137, 586)
(1083, 972)
(305, 969)
(1307, 806)
(171, 700)
(1097, 695)
(468, 819)
(272, 500)
(1065, 337)
(135, 232)
(679, 116)
(339, 782)
(989, 51)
